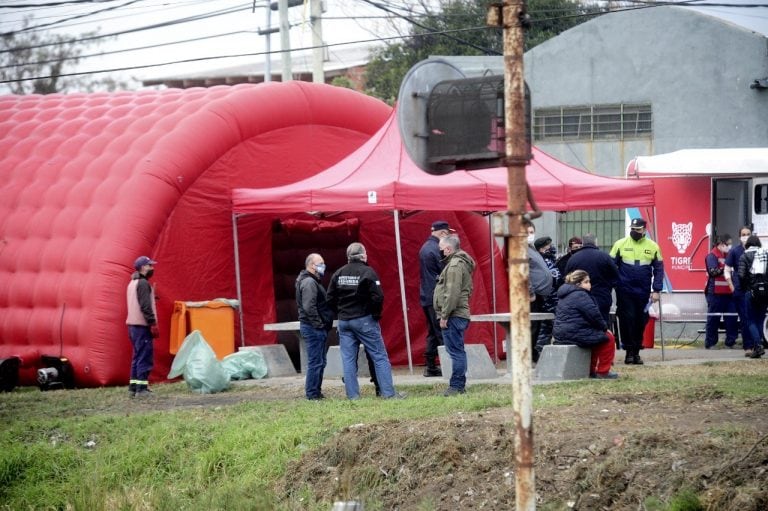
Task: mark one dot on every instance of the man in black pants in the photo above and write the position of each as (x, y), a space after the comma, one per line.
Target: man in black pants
(431, 264)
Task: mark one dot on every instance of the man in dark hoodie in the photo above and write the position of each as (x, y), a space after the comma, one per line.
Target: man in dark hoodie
(315, 320)
(451, 303)
(602, 273)
(142, 325)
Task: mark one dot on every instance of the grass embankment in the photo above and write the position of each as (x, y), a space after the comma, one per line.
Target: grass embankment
(95, 449)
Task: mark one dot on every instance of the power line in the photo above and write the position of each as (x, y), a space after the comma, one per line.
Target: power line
(241, 55)
(212, 14)
(84, 15)
(54, 4)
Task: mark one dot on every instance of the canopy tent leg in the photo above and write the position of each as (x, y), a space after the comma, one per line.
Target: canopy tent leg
(237, 279)
(661, 313)
(493, 287)
(402, 288)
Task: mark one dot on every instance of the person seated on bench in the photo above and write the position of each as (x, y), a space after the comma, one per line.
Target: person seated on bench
(578, 321)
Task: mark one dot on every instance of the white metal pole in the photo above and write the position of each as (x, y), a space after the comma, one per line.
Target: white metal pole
(268, 60)
(318, 53)
(402, 289)
(285, 39)
(237, 278)
(493, 288)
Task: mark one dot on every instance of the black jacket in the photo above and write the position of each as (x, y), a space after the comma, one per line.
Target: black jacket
(577, 318)
(430, 266)
(355, 291)
(312, 302)
(602, 272)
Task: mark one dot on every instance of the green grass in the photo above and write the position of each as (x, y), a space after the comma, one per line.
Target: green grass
(94, 449)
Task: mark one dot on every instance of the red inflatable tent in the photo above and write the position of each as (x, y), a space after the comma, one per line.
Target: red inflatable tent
(91, 181)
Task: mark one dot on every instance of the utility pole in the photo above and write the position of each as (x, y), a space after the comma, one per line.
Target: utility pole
(511, 16)
(285, 39)
(268, 60)
(318, 53)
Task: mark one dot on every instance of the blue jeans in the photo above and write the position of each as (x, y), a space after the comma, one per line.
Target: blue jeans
(756, 313)
(364, 330)
(740, 299)
(453, 337)
(314, 339)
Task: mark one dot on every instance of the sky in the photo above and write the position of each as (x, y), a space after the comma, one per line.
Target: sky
(344, 21)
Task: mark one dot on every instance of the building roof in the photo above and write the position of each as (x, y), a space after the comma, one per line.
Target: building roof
(748, 14)
(337, 60)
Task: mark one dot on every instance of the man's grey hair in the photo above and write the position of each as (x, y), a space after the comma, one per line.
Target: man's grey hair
(589, 239)
(310, 259)
(355, 252)
(451, 240)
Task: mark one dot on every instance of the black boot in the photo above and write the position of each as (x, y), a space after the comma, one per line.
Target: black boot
(432, 369)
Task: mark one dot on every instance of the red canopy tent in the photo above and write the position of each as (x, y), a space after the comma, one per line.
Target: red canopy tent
(380, 176)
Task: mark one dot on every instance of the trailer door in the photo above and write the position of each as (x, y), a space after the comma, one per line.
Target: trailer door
(731, 206)
(760, 207)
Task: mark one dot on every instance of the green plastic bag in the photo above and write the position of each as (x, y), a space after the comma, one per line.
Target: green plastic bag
(245, 365)
(198, 364)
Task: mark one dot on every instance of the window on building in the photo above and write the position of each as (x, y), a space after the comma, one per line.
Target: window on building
(596, 122)
(607, 224)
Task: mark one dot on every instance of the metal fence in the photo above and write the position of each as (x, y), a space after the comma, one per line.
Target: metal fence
(607, 224)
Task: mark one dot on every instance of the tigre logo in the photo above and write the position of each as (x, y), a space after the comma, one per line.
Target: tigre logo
(682, 236)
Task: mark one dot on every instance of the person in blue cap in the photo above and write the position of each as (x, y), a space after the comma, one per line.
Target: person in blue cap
(142, 325)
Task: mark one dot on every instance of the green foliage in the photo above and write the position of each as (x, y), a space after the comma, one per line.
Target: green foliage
(686, 500)
(458, 27)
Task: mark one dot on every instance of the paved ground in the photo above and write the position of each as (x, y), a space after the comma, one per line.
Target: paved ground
(404, 377)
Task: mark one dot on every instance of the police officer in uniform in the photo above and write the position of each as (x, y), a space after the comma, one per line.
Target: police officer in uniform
(641, 276)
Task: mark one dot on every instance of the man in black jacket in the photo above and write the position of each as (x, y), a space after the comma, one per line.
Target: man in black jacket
(356, 296)
(315, 320)
(602, 272)
(430, 266)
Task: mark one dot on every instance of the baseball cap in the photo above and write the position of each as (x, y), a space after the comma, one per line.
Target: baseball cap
(540, 242)
(637, 222)
(141, 261)
(441, 225)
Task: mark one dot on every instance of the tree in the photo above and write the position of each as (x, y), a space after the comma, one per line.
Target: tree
(458, 27)
(46, 57)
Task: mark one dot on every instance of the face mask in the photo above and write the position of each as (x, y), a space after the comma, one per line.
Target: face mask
(442, 254)
(552, 251)
(744, 239)
(531, 239)
(725, 248)
(636, 235)
(149, 273)
(320, 269)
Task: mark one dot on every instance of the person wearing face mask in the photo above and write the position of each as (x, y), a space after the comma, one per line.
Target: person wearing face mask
(451, 303)
(641, 276)
(142, 325)
(431, 263)
(719, 295)
(739, 295)
(602, 271)
(315, 321)
(540, 283)
(547, 250)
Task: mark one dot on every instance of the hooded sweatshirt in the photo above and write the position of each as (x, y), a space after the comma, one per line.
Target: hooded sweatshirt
(454, 286)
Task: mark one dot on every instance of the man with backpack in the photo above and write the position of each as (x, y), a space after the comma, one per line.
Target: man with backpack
(752, 276)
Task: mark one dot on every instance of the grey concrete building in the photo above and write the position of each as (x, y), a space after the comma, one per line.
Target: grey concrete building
(649, 81)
